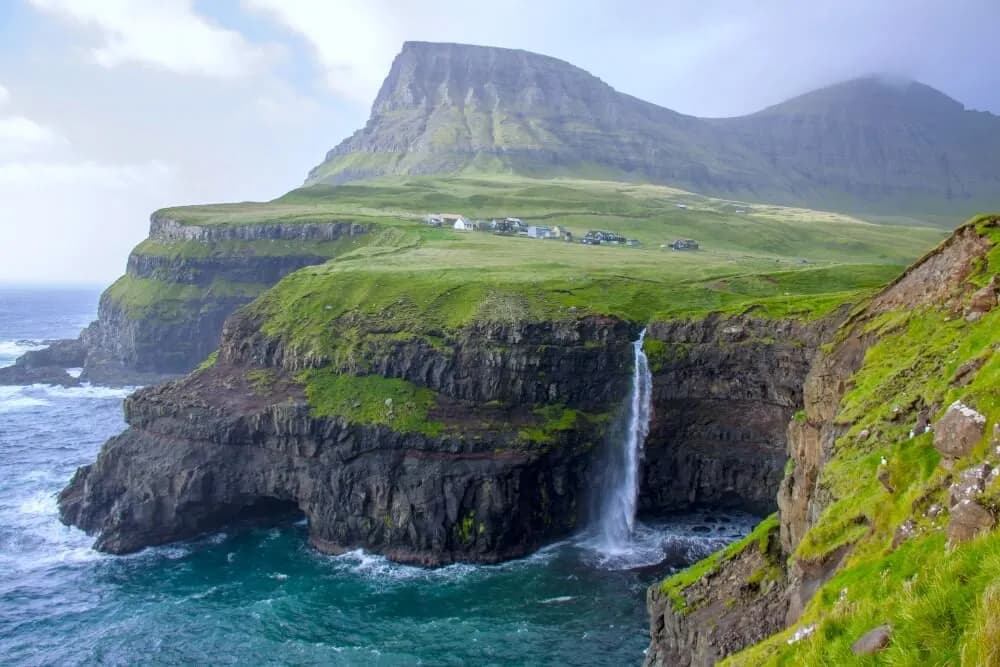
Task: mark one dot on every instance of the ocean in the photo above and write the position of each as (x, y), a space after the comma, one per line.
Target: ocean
(257, 594)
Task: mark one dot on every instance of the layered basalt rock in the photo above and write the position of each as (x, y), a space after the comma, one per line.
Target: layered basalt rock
(453, 108)
(742, 603)
(202, 451)
(724, 390)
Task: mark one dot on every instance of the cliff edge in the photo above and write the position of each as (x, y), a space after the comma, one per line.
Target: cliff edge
(889, 502)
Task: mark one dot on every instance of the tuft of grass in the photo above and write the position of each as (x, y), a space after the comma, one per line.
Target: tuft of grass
(210, 361)
(981, 645)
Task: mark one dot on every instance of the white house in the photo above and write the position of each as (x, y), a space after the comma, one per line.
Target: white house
(463, 225)
(539, 231)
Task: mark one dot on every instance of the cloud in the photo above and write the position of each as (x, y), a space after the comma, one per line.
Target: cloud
(83, 174)
(167, 34)
(353, 41)
(20, 136)
(86, 231)
(4, 96)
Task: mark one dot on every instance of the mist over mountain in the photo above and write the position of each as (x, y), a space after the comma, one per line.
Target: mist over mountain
(877, 144)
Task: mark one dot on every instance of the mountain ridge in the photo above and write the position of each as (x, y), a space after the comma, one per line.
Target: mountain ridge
(868, 144)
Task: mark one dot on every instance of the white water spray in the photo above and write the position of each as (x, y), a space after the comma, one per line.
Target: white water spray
(617, 516)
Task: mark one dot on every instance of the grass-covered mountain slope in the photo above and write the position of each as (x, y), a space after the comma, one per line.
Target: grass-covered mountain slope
(888, 549)
(875, 145)
(200, 263)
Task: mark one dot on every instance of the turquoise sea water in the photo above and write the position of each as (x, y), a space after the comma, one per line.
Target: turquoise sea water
(257, 594)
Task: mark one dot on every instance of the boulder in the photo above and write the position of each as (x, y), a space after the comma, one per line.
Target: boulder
(967, 371)
(958, 431)
(905, 531)
(984, 300)
(873, 641)
(968, 519)
(970, 484)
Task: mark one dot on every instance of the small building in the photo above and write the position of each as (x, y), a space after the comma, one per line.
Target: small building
(539, 231)
(685, 244)
(433, 219)
(501, 227)
(601, 237)
(632, 243)
(463, 225)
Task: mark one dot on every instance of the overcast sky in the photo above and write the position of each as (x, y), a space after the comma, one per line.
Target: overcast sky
(110, 109)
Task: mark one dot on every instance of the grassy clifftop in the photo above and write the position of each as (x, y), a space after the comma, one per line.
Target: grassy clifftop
(413, 278)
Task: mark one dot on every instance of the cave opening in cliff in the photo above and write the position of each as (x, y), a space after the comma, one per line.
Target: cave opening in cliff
(268, 511)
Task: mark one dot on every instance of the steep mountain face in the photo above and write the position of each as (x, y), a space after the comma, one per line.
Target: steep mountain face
(872, 144)
(889, 504)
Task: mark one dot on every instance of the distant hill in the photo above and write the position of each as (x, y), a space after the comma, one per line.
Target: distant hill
(871, 145)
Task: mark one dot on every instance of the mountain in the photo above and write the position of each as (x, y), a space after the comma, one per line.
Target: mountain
(873, 144)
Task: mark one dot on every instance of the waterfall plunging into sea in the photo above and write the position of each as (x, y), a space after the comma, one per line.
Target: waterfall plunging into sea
(616, 520)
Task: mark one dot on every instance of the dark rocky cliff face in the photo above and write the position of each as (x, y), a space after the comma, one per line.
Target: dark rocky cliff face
(206, 449)
(866, 145)
(724, 391)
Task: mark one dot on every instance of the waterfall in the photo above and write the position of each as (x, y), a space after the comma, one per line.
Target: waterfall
(621, 489)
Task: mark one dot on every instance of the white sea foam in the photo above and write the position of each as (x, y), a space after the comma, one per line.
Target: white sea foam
(13, 399)
(74, 372)
(40, 503)
(15, 348)
(381, 569)
(85, 390)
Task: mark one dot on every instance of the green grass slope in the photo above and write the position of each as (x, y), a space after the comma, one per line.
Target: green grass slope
(943, 602)
(411, 277)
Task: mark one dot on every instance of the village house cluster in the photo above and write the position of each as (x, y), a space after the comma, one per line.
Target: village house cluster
(511, 226)
(518, 227)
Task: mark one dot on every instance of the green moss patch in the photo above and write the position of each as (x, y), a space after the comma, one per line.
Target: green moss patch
(139, 298)
(371, 399)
